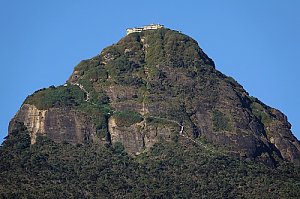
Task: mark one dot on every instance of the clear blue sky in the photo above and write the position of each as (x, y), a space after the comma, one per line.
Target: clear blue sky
(256, 42)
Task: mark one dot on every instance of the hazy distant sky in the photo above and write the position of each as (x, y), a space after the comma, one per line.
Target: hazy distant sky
(256, 42)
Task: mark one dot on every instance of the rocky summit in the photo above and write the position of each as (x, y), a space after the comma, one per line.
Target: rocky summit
(153, 85)
(149, 117)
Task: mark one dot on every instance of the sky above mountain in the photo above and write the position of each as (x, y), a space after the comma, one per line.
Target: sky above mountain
(255, 42)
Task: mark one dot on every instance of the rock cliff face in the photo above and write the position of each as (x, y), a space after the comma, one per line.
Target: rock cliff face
(155, 85)
(140, 136)
(60, 124)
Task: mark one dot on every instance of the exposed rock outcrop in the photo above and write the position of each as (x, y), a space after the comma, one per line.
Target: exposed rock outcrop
(140, 136)
(60, 124)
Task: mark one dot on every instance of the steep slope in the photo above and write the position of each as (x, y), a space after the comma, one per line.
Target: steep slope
(152, 86)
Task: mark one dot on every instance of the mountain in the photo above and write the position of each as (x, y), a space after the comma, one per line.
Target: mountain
(149, 86)
(150, 116)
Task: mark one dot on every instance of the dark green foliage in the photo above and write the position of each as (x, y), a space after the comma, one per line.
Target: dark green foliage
(85, 65)
(160, 122)
(260, 112)
(155, 53)
(118, 148)
(90, 71)
(120, 71)
(167, 47)
(14, 151)
(18, 139)
(117, 66)
(61, 96)
(102, 75)
(99, 115)
(112, 52)
(169, 170)
(220, 121)
(127, 118)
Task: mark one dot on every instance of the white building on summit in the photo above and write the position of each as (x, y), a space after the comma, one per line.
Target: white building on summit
(148, 27)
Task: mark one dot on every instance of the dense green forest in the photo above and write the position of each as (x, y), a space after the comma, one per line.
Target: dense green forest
(173, 169)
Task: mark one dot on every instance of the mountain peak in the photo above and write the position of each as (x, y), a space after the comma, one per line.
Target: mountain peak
(158, 84)
(166, 44)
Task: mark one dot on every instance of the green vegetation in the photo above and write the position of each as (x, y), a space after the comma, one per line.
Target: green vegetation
(261, 113)
(169, 170)
(155, 52)
(160, 122)
(99, 115)
(127, 118)
(117, 66)
(171, 48)
(221, 121)
(85, 65)
(61, 96)
(120, 70)
(72, 96)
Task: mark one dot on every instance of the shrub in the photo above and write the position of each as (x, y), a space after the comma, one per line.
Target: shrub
(220, 121)
(260, 112)
(127, 118)
(56, 97)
